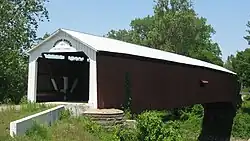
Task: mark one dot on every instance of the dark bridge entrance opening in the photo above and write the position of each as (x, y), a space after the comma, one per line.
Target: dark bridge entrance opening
(63, 77)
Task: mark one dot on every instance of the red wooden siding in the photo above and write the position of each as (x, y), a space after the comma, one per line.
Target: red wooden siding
(159, 84)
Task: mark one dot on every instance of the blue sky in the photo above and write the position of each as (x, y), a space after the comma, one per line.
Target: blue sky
(228, 17)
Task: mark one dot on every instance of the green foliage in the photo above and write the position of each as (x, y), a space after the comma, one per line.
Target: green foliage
(172, 131)
(191, 128)
(95, 129)
(38, 132)
(65, 114)
(125, 134)
(45, 36)
(24, 100)
(91, 126)
(240, 63)
(128, 114)
(229, 63)
(151, 127)
(11, 113)
(13, 76)
(192, 111)
(174, 27)
(18, 24)
(247, 37)
(241, 126)
(30, 107)
(184, 113)
(75, 129)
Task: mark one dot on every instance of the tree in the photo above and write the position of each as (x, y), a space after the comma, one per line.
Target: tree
(229, 63)
(174, 27)
(122, 35)
(247, 37)
(18, 24)
(241, 65)
(38, 40)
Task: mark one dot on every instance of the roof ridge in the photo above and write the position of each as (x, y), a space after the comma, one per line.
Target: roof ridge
(112, 45)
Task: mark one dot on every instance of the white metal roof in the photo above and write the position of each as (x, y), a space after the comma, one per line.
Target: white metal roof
(99, 43)
(110, 45)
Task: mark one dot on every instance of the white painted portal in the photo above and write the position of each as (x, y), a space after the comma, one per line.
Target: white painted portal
(32, 79)
(46, 46)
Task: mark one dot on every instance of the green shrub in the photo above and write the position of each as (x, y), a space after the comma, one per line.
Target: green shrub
(184, 113)
(65, 114)
(24, 100)
(38, 132)
(172, 131)
(241, 126)
(125, 134)
(128, 114)
(7, 101)
(151, 128)
(191, 128)
(90, 126)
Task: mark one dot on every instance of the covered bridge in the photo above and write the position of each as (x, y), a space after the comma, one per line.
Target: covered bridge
(75, 66)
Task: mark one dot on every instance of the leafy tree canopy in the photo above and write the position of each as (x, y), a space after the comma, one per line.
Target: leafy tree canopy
(18, 24)
(247, 37)
(240, 63)
(229, 63)
(174, 27)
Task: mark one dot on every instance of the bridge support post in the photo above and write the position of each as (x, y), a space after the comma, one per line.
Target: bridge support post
(217, 121)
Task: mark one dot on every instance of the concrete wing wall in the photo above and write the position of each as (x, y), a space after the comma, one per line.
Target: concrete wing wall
(19, 127)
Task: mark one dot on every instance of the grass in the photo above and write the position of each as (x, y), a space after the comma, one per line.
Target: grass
(70, 130)
(83, 129)
(11, 113)
(67, 129)
(191, 128)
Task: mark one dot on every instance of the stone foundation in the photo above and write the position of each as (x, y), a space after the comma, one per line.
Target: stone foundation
(106, 117)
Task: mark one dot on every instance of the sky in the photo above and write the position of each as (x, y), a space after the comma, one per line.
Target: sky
(228, 18)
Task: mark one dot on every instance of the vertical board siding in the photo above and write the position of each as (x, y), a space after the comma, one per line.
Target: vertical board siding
(159, 85)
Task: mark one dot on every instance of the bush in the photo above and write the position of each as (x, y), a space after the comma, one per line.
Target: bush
(24, 100)
(38, 132)
(185, 113)
(125, 134)
(65, 114)
(151, 128)
(128, 114)
(241, 126)
(96, 129)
